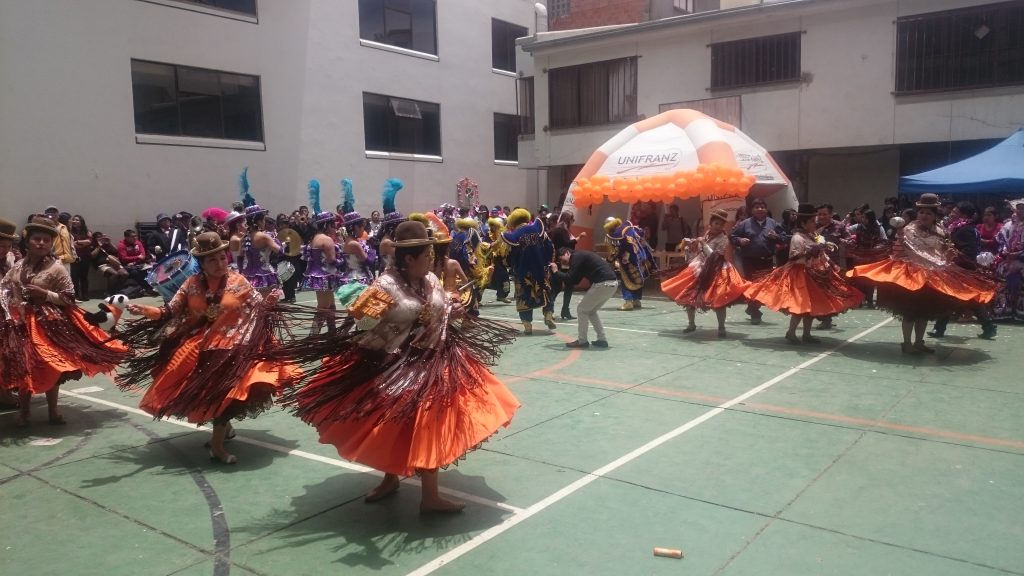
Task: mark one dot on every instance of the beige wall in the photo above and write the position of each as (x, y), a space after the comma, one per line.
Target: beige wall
(66, 109)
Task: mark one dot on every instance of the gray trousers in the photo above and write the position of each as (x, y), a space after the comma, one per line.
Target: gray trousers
(586, 310)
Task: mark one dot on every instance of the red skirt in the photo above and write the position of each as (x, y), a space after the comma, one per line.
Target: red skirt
(439, 433)
(64, 346)
(913, 291)
(795, 289)
(706, 289)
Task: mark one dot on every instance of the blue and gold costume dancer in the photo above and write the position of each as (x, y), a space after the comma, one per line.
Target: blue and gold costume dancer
(531, 253)
(633, 259)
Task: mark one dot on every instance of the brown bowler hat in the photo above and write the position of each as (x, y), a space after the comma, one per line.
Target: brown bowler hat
(41, 224)
(411, 233)
(929, 201)
(8, 230)
(720, 214)
(208, 243)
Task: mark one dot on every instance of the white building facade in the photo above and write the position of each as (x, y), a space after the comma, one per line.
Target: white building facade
(120, 109)
(846, 94)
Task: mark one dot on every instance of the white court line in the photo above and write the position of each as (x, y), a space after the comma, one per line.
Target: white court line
(606, 327)
(511, 521)
(293, 452)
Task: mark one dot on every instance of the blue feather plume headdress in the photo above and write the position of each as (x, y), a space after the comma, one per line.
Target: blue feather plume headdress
(391, 188)
(348, 203)
(314, 196)
(243, 184)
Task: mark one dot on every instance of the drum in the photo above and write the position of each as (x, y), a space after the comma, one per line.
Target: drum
(285, 270)
(170, 273)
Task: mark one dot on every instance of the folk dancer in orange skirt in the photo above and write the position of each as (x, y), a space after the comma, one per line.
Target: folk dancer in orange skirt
(407, 390)
(202, 348)
(44, 338)
(709, 281)
(809, 285)
(920, 281)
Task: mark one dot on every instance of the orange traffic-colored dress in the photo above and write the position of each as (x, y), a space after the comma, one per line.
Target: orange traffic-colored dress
(918, 282)
(206, 354)
(44, 345)
(807, 284)
(709, 281)
(407, 387)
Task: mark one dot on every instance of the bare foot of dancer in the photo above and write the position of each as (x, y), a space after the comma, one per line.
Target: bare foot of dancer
(387, 487)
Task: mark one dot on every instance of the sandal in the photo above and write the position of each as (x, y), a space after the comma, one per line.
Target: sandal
(21, 420)
(56, 420)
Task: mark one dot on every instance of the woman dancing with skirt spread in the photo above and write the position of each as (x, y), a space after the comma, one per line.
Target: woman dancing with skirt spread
(406, 390)
(809, 285)
(920, 281)
(201, 349)
(710, 281)
(44, 338)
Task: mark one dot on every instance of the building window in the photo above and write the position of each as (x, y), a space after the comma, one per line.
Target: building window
(241, 6)
(524, 87)
(728, 109)
(173, 100)
(401, 125)
(593, 94)
(503, 44)
(969, 48)
(559, 8)
(506, 137)
(753, 61)
(410, 24)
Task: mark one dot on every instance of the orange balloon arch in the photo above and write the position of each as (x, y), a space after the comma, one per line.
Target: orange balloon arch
(666, 187)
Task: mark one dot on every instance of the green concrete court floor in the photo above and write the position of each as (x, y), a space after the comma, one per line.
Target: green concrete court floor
(752, 456)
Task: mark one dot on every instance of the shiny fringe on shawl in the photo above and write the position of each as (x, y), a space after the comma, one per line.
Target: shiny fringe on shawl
(216, 372)
(16, 355)
(61, 330)
(354, 382)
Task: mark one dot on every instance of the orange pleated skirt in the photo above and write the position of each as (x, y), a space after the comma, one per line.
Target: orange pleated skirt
(794, 289)
(436, 437)
(951, 281)
(727, 288)
(57, 364)
(265, 379)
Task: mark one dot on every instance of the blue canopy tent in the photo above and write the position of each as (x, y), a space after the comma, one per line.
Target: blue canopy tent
(997, 170)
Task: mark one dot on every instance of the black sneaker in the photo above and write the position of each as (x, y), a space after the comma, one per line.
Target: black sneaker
(577, 344)
(988, 332)
(936, 334)
(600, 343)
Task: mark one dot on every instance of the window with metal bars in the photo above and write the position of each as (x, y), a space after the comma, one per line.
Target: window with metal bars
(972, 47)
(559, 8)
(593, 94)
(754, 61)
